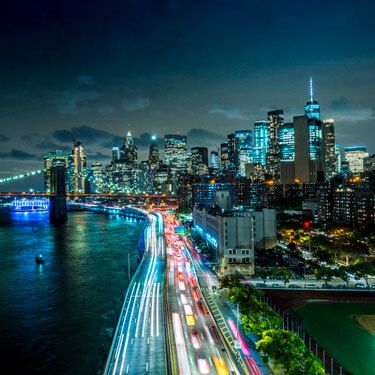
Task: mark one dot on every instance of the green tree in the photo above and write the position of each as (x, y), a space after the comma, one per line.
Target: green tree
(343, 274)
(264, 273)
(229, 281)
(324, 273)
(288, 351)
(364, 269)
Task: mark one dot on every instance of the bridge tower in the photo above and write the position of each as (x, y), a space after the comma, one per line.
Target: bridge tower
(58, 213)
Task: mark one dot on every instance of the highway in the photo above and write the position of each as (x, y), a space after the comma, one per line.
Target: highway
(198, 346)
(138, 346)
(248, 358)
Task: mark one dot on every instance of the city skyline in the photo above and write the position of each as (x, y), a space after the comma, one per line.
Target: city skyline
(52, 89)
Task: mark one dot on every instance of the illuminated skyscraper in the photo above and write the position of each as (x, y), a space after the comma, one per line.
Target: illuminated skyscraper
(175, 152)
(153, 156)
(199, 160)
(232, 153)
(244, 141)
(261, 140)
(312, 107)
(214, 160)
(78, 167)
(224, 157)
(308, 149)
(129, 152)
(275, 120)
(338, 158)
(329, 150)
(48, 160)
(354, 155)
(287, 153)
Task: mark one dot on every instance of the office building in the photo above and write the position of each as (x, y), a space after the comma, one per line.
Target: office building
(214, 161)
(329, 149)
(175, 152)
(224, 157)
(116, 154)
(308, 149)
(287, 153)
(355, 156)
(48, 160)
(153, 155)
(244, 143)
(312, 107)
(230, 237)
(129, 152)
(275, 120)
(232, 153)
(77, 168)
(261, 139)
(338, 158)
(199, 161)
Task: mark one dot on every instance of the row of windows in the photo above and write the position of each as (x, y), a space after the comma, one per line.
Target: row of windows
(239, 260)
(238, 252)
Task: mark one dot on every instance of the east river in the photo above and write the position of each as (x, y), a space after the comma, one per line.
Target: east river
(58, 318)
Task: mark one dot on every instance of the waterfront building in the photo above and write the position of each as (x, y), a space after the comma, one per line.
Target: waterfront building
(77, 169)
(48, 160)
(98, 177)
(355, 156)
(286, 140)
(261, 139)
(244, 150)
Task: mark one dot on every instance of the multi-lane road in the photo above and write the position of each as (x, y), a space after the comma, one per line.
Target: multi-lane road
(138, 345)
(199, 347)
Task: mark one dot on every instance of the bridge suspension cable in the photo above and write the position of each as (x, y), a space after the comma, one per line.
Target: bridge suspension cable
(21, 176)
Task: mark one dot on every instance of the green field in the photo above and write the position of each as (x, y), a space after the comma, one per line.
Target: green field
(332, 325)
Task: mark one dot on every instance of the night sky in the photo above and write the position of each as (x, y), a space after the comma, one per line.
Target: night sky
(94, 70)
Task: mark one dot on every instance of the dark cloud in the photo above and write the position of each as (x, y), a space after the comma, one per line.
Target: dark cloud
(340, 104)
(98, 156)
(85, 79)
(48, 145)
(203, 137)
(230, 112)
(4, 138)
(136, 104)
(16, 154)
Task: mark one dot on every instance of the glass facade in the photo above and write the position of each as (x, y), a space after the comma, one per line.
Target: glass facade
(261, 129)
(312, 110)
(244, 150)
(315, 144)
(175, 152)
(286, 142)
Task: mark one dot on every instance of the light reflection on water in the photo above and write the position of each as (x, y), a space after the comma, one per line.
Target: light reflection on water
(57, 317)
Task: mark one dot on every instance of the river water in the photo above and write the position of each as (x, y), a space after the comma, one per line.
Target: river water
(58, 318)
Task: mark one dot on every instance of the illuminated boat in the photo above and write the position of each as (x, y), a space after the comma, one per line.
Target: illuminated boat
(29, 205)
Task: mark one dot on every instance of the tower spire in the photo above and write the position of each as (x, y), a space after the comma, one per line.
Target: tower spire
(311, 90)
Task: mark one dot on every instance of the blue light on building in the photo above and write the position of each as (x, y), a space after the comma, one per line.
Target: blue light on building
(315, 144)
(244, 141)
(286, 142)
(312, 107)
(261, 129)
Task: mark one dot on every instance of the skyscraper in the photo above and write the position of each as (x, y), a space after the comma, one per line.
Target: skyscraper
(244, 141)
(78, 167)
(199, 160)
(224, 157)
(312, 107)
(329, 150)
(275, 120)
(260, 142)
(175, 152)
(153, 156)
(129, 150)
(308, 149)
(354, 155)
(338, 158)
(48, 160)
(232, 153)
(116, 154)
(287, 153)
(214, 160)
